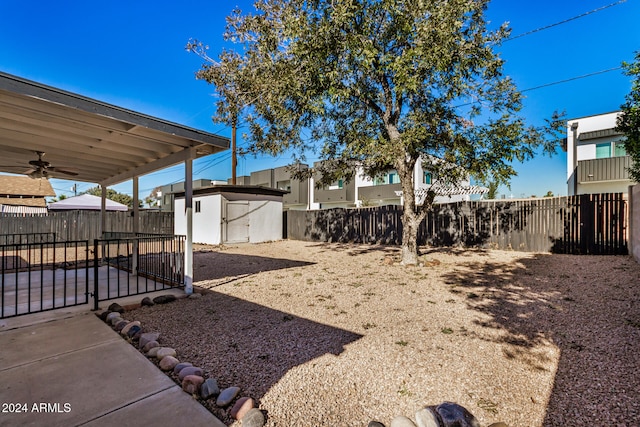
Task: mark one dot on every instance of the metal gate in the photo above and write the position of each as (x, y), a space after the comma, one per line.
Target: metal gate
(39, 274)
(43, 275)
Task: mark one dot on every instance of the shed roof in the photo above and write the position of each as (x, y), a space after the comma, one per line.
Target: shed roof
(236, 189)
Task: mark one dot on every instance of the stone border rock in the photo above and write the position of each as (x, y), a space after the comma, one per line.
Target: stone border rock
(190, 378)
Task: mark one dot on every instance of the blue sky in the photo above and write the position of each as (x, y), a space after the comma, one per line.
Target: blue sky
(132, 54)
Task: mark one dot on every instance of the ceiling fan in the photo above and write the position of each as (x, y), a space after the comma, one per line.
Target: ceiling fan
(43, 169)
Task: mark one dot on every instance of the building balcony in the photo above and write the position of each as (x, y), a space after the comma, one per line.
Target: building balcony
(379, 192)
(331, 196)
(602, 170)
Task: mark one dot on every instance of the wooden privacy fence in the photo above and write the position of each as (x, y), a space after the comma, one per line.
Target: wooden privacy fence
(85, 225)
(584, 224)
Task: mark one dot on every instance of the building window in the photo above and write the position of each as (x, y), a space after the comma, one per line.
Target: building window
(284, 185)
(197, 206)
(610, 149)
(387, 178)
(336, 185)
(426, 178)
(394, 178)
(618, 149)
(603, 151)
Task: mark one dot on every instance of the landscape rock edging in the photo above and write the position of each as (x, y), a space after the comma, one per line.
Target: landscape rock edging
(192, 380)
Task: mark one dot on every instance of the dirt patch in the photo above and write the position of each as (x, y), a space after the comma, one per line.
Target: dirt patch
(331, 334)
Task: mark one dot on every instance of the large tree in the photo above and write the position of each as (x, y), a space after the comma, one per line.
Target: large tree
(629, 120)
(378, 84)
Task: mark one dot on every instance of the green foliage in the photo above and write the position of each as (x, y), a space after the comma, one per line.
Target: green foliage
(112, 195)
(57, 199)
(381, 84)
(493, 190)
(629, 121)
(152, 199)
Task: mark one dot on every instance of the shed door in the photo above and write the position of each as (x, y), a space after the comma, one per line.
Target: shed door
(236, 222)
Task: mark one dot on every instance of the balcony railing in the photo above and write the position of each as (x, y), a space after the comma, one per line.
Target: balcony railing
(331, 196)
(608, 169)
(379, 192)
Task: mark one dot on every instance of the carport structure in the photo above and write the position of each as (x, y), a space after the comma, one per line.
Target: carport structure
(101, 143)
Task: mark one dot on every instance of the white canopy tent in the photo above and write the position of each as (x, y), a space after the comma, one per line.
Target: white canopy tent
(87, 202)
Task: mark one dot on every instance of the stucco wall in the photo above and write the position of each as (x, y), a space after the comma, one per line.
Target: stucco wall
(179, 218)
(265, 221)
(206, 223)
(265, 218)
(634, 221)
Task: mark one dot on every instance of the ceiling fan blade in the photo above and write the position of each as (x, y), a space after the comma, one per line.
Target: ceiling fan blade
(62, 171)
(16, 167)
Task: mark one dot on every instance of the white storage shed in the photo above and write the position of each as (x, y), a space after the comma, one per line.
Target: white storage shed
(232, 214)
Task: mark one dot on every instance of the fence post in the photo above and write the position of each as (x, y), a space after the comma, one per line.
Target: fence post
(134, 256)
(95, 275)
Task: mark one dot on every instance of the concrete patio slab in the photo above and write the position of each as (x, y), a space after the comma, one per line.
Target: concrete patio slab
(74, 371)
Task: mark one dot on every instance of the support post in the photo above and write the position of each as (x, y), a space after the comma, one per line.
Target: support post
(103, 215)
(103, 209)
(95, 275)
(136, 227)
(188, 206)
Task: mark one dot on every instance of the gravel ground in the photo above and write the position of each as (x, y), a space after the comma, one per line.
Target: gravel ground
(338, 335)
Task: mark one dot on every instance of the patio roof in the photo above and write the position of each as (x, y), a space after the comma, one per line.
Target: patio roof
(103, 143)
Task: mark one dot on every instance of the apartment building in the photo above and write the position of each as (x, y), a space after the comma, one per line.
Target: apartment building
(358, 192)
(280, 178)
(167, 193)
(382, 190)
(596, 158)
(361, 191)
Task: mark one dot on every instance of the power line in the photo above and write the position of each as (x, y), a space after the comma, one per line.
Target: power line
(599, 9)
(571, 79)
(552, 83)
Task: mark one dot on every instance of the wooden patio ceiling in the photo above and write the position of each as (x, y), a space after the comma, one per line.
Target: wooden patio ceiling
(102, 143)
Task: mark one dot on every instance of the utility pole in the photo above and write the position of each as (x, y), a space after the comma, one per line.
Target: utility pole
(234, 160)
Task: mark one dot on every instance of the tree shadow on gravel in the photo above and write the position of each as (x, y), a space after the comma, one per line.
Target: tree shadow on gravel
(240, 343)
(229, 265)
(354, 249)
(544, 299)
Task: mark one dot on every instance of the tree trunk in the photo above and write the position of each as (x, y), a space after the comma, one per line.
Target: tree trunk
(409, 238)
(410, 217)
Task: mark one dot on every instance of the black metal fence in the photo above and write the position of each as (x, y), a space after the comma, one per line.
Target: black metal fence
(20, 238)
(39, 275)
(584, 224)
(42, 276)
(157, 260)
